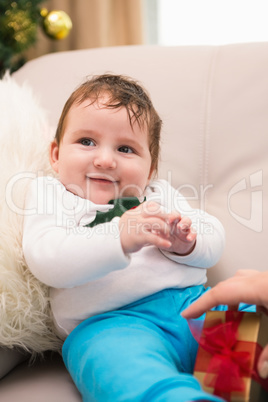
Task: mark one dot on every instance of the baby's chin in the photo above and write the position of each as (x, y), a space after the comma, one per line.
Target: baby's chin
(102, 196)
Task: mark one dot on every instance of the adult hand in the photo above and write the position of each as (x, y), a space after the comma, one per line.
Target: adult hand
(247, 286)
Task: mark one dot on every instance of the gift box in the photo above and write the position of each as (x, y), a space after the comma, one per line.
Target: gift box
(229, 347)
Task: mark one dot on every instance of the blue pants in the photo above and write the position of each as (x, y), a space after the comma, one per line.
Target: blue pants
(141, 352)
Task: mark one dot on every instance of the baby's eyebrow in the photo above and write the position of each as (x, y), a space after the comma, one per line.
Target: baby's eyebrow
(82, 131)
(133, 142)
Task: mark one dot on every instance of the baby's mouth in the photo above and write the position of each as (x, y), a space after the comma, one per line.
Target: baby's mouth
(102, 179)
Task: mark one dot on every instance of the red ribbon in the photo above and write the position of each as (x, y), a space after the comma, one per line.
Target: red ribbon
(225, 358)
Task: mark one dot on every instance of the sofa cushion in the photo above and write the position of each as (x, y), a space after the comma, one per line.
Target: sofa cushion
(10, 358)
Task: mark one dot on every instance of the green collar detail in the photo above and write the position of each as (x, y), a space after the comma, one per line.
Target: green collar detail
(121, 205)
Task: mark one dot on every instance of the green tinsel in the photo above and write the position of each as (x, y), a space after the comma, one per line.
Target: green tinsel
(18, 29)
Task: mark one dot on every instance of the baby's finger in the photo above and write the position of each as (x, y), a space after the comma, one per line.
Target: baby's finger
(174, 217)
(154, 225)
(191, 236)
(184, 226)
(154, 239)
(186, 221)
(153, 209)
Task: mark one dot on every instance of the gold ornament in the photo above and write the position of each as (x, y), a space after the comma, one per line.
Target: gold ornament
(56, 24)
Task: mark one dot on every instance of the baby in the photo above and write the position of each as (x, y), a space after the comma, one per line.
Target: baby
(119, 249)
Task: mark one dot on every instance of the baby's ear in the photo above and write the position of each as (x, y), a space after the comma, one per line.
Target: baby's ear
(54, 156)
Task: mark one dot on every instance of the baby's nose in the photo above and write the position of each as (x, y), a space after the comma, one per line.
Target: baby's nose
(105, 160)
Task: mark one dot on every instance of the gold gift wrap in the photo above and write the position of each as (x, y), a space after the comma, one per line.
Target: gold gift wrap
(229, 347)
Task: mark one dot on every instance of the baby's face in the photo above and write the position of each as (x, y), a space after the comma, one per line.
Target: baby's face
(101, 157)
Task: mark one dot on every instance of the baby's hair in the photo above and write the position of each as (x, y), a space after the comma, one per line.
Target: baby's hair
(120, 91)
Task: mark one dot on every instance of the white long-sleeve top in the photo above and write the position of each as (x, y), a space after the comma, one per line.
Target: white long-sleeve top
(86, 268)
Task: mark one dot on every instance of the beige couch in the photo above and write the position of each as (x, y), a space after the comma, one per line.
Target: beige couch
(214, 104)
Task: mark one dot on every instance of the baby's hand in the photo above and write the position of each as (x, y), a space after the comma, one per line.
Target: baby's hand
(143, 226)
(182, 234)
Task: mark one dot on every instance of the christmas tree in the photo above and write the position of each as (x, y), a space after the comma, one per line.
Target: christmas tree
(18, 29)
(19, 21)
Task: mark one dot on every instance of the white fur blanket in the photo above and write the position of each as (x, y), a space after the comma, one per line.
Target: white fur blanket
(24, 304)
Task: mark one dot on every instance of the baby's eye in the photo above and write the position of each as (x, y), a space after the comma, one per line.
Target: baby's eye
(125, 149)
(87, 142)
